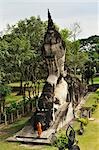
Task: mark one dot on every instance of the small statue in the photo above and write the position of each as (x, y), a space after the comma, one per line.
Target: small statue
(39, 129)
(71, 139)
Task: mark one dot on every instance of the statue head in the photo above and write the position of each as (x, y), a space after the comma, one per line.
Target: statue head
(54, 49)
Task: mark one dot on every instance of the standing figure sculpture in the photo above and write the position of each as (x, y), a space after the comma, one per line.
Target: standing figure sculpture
(71, 139)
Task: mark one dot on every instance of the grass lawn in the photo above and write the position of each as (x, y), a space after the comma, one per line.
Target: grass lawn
(95, 80)
(92, 99)
(90, 139)
(13, 97)
(16, 146)
(19, 146)
(10, 130)
(17, 84)
(10, 146)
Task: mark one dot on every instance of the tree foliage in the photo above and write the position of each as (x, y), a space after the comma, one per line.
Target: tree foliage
(75, 58)
(20, 49)
(91, 47)
(4, 90)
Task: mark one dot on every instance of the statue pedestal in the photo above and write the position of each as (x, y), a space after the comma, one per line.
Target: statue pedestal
(28, 135)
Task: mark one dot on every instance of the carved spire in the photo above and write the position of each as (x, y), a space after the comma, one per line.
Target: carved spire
(50, 21)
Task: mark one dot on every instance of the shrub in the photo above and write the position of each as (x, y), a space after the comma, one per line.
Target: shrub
(83, 120)
(4, 90)
(61, 141)
(94, 106)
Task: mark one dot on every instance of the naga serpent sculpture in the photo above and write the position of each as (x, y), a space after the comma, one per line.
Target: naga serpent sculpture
(54, 54)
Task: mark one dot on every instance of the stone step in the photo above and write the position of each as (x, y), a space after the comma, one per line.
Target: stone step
(29, 140)
(32, 137)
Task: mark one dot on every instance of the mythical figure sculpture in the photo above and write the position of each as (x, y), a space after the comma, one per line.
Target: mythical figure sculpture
(71, 139)
(54, 53)
(54, 49)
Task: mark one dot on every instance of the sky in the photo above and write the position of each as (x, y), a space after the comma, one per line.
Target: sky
(64, 13)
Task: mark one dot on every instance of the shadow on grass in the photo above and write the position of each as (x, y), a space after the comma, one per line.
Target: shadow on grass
(10, 130)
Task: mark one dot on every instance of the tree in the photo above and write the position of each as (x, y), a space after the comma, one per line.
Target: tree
(75, 58)
(20, 50)
(75, 46)
(65, 33)
(90, 45)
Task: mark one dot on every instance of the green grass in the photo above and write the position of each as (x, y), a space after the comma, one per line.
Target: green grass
(19, 146)
(95, 80)
(92, 99)
(10, 130)
(17, 84)
(90, 139)
(11, 146)
(13, 97)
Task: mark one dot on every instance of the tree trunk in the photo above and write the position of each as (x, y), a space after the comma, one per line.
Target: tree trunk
(6, 119)
(75, 70)
(3, 105)
(18, 114)
(23, 110)
(32, 106)
(28, 108)
(21, 88)
(0, 113)
(12, 117)
(0, 118)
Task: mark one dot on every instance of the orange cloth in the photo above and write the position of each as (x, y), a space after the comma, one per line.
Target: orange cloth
(39, 129)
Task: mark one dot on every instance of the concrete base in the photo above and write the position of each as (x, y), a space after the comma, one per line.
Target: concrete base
(28, 135)
(46, 138)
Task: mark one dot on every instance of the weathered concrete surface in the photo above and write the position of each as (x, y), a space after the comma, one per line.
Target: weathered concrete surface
(70, 114)
(31, 137)
(28, 135)
(61, 91)
(53, 51)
